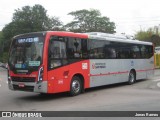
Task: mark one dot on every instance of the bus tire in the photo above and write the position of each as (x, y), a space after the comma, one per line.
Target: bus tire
(75, 86)
(131, 77)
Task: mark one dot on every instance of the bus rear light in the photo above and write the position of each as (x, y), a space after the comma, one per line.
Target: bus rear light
(40, 74)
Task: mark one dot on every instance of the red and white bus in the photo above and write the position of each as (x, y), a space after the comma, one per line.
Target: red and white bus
(53, 62)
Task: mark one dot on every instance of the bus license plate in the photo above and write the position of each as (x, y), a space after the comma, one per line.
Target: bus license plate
(21, 85)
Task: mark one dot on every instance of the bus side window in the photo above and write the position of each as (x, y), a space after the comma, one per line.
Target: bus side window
(70, 52)
(96, 49)
(74, 48)
(146, 51)
(57, 52)
(135, 52)
(112, 53)
(84, 48)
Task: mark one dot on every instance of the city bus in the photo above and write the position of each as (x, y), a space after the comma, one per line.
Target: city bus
(57, 61)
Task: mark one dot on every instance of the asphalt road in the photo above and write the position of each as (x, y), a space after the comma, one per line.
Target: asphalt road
(144, 95)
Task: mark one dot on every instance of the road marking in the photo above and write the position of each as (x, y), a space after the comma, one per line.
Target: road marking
(7, 82)
(0, 85)
(156, 80)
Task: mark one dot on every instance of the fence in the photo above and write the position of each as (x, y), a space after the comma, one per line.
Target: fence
(157, 60)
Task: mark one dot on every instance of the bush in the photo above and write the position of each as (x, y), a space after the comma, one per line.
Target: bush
(4, 57)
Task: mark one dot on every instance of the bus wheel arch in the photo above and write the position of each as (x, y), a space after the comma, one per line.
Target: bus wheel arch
(132, 77)
(76, 84)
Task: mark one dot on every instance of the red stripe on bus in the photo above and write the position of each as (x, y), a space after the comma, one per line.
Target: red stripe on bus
(144, 70)
(114, 73)
(110, 73)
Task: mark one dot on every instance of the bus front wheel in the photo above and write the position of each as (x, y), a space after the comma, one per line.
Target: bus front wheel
(131, 78)
(76, 86)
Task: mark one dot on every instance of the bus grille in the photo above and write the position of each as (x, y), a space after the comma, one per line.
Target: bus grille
(23, 79)
(26, 88)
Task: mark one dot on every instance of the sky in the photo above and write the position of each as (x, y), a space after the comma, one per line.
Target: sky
(129, 16)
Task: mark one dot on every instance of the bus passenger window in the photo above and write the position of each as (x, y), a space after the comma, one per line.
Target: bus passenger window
(74, 48)
(96, 49)
(135, 52)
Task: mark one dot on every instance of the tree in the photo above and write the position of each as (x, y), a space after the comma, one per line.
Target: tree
(1, 43)
(3, 55)
(143, 35)
(149, 36)
(1, 37)
(155, 39)
(90, 21)
(29, 19)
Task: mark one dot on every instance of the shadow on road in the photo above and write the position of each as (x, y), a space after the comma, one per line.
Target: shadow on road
(112, 86)
(43, 97)
(47, 97)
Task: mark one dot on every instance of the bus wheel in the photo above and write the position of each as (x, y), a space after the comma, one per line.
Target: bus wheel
(76, 86)
(131, 78)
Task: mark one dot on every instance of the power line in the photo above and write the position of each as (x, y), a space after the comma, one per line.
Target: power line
(134, 21)
(136, 17)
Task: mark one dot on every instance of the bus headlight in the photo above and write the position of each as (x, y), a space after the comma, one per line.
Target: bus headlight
(40, 74)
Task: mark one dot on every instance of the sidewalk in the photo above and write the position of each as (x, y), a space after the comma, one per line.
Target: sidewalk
(157, 72)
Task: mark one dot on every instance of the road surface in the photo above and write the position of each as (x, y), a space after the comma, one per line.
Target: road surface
(144, 95)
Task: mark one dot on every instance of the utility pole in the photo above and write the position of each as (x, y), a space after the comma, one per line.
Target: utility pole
(157, 30)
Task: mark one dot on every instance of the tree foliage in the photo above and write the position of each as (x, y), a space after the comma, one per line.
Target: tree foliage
(29, 19)
(1, 43)
(1, 37)
(90, 21)
(3, 55)
(35, 19)
(155, 39)
(149, 36)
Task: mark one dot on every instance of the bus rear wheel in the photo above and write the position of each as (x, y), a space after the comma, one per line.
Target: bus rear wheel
(131, 78)
(76, 86)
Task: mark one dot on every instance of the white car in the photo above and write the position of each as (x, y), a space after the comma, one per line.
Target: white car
(4, 65)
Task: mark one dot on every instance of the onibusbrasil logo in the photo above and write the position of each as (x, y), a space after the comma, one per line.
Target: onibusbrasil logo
(21, 114)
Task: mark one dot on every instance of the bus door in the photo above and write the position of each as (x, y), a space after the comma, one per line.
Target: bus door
(57, 65)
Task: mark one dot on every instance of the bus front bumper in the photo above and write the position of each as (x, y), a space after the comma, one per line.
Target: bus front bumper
(39, 87)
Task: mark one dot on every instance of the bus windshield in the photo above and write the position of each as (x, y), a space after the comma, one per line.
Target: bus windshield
(26, 53)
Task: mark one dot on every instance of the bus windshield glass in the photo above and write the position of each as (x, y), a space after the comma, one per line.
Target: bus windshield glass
(26, 53)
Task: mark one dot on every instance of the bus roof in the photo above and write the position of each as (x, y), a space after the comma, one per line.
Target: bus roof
(114, 38)
(94, 35)
(31, 33)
